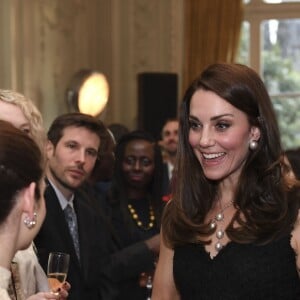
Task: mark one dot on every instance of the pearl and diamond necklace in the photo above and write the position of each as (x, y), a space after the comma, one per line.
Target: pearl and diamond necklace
(220, 233)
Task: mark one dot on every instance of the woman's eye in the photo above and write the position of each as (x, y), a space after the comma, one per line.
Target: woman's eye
(222, 126)
(130, 160)
(146, 162)
(194, 125)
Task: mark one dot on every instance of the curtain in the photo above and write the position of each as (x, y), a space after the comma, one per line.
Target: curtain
(211, 34)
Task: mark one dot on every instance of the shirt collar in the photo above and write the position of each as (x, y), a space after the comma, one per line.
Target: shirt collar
(61, 198)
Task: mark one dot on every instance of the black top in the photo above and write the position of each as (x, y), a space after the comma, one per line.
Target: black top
(130, 235)
(166, 183)
(128, 231)
(239, 271)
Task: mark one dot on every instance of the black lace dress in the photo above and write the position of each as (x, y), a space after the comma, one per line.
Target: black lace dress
(238, 272)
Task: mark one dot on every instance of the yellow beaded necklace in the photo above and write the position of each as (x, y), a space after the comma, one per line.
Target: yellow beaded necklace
(138, 222)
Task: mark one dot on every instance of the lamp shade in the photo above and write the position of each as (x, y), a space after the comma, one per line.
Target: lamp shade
(88, 92)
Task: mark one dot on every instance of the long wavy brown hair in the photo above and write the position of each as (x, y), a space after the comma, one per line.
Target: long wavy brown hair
(266, 197)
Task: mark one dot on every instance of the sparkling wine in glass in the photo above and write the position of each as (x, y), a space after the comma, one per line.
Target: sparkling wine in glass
(58, 264)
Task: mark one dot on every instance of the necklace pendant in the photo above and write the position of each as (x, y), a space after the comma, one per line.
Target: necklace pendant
(213, 225)
(220, 234)
(220, 216)
(218, 246)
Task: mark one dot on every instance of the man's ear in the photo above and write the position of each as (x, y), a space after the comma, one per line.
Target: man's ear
(28, 195)
(49, 149)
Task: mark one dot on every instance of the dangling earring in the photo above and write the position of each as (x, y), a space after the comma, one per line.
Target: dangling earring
(30, 223)
(253, 145)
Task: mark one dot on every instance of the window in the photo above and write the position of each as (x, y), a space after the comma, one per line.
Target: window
(270, 45)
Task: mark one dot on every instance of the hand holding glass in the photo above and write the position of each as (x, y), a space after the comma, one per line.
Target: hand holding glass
(58, 264)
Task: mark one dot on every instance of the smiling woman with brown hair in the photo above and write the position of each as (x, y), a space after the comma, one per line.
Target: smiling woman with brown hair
(230, 230)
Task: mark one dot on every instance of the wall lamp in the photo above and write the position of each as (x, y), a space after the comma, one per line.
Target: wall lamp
(88, 92)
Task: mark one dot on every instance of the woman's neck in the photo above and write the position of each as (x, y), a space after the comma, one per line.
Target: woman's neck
(136, 194)
(9, 236)
(7, 250)
(226, 191)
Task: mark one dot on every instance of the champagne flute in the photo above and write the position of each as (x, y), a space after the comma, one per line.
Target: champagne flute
(58, 264)
(146, 279)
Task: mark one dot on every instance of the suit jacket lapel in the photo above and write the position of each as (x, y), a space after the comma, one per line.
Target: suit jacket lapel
(82, 219)
(55, 213)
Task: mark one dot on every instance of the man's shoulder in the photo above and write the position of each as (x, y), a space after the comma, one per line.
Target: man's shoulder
(49, 190)
(85, 204)
(90, 196)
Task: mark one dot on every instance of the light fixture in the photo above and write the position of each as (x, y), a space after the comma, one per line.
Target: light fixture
(88, 92)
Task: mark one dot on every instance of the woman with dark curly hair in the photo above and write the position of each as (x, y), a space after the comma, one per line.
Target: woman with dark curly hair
(229, 231)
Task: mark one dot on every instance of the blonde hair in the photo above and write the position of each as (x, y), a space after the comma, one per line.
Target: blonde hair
(30, 111)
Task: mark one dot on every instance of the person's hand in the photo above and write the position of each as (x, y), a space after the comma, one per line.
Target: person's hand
(62, 293)
(44, 296)
(65, 287)
(145, 278)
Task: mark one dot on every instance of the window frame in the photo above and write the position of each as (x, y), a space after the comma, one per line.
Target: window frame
(257, 11)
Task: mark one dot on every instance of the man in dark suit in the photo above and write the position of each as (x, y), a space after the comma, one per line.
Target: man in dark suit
(71, 224)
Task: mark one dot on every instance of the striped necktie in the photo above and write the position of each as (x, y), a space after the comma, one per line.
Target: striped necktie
(71, 219)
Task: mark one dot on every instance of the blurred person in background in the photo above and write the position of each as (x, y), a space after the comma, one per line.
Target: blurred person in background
(117, 130)
(169, 144)
(102, 173)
